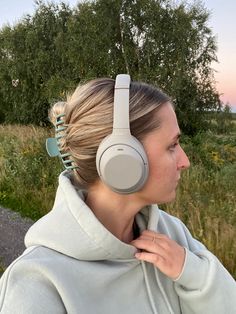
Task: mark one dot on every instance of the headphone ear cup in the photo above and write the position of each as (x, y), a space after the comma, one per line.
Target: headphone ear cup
(122, 164)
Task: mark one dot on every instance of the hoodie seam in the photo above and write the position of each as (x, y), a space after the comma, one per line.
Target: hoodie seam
(100, 245)
(74, 217)
(85, 232)
(6, 280)
(77, 221)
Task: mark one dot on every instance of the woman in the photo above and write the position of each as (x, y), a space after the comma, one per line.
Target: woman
(104, 247)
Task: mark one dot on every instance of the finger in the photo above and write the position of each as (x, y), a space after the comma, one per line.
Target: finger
(168, 268)
(163, 243)
(161, 239)
(150, 234)
(150, 247)
(155, 259)
(143, 237)
(148, 238)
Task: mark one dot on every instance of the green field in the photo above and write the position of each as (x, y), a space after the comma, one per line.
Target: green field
(206, 199)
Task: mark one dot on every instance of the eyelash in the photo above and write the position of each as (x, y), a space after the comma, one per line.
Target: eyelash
(173, 146)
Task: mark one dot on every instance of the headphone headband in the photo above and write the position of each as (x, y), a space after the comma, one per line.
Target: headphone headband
(121, 103)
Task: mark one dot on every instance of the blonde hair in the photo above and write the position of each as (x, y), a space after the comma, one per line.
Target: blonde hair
(89, 119)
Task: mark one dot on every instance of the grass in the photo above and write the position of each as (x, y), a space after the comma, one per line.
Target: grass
(1, 268)
(205, 201)
(28, 177)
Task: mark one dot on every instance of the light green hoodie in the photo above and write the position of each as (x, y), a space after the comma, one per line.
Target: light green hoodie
(72, 264)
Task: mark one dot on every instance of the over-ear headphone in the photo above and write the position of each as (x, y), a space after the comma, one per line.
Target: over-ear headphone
(121, 160)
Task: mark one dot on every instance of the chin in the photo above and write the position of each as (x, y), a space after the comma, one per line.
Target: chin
(166, 200)
(158, 197)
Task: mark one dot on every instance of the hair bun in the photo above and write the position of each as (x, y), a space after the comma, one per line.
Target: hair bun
(57, 109)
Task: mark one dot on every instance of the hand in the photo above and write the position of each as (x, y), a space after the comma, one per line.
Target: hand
(164, 253)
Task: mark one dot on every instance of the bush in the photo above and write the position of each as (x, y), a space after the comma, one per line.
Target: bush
(205, 201)
(206, 198)
(28, 176)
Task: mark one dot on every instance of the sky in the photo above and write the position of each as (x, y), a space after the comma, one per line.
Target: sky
(222, 22)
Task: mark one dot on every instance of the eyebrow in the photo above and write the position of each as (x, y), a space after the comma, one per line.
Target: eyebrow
(176, 137)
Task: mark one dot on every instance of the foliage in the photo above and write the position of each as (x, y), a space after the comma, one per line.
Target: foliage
(211, 151)
(206, 197)
(27, 182)
(205, 200)
(206, 203)
(30, 54)
(47, 54)
(224, 121)
(2, 269)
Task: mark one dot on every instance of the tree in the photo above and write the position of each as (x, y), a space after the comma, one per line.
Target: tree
(157, 41)
(32, 53)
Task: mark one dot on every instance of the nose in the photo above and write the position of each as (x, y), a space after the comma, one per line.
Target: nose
(183, 161)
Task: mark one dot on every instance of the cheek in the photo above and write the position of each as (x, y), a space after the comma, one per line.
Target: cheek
(164, 169)
(158, 171)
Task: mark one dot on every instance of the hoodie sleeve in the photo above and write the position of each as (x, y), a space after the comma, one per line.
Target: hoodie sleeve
(26, 291)
(204, 285)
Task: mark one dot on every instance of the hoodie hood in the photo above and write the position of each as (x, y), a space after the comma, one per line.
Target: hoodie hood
(72, 229)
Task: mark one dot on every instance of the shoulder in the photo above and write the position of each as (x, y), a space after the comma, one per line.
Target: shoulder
(29, 275)
(30, 266)
(177, 230)
(38, 259)
(169, 222)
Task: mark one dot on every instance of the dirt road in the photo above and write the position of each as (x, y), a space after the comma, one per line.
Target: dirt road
(12, 231)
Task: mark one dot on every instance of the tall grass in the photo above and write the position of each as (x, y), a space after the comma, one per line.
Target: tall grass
(1, 268)
(28, 177)
(205, 201)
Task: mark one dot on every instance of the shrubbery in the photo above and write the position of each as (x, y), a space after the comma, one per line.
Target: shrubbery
(27, 175)
(165, 43)
(205, 201)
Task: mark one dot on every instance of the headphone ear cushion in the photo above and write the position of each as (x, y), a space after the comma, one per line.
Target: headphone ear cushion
(122, 164)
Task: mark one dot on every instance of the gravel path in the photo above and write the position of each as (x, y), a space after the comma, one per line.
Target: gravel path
(12, 231)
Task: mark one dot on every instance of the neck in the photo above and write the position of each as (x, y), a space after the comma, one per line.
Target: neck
(115, 211)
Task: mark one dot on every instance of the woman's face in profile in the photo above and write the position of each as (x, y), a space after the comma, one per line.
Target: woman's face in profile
(166, 159)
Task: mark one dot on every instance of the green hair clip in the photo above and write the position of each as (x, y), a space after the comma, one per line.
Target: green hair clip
(53, 144)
